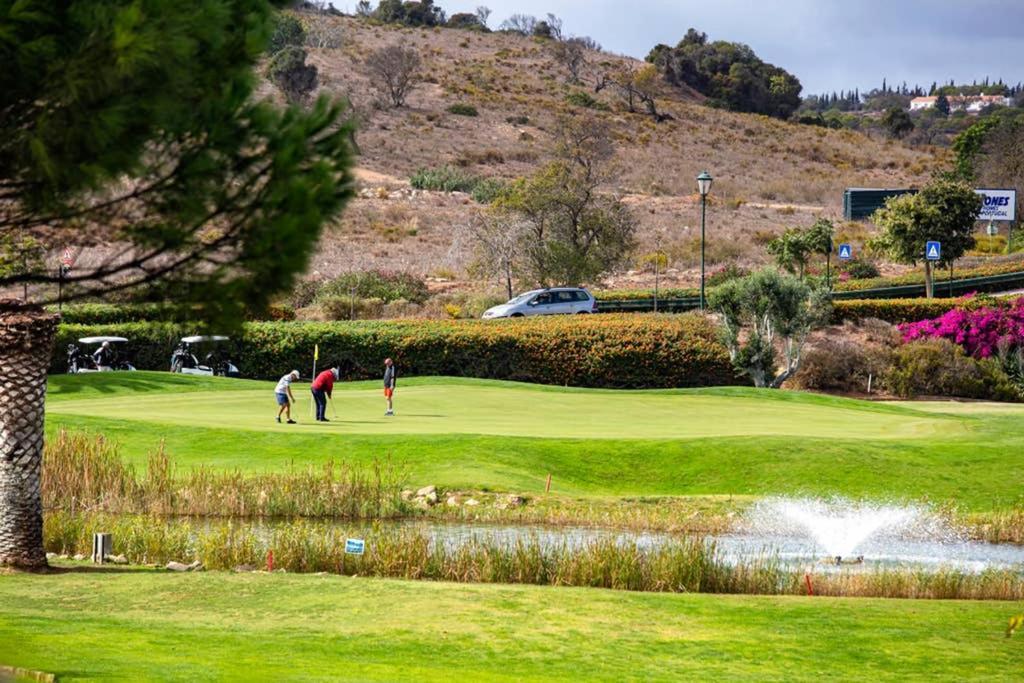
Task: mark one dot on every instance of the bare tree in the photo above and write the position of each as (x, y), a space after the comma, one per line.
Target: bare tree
(554, 25)
(394, 70)
(364, 9)
(483, 13)
(497, 239)
(572, 55)
(523, 24)
(323, 33)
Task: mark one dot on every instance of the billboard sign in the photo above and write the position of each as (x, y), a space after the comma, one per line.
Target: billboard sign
(999, 205)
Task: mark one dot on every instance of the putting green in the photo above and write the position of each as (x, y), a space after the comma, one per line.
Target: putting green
(474, 434)
(453, 406)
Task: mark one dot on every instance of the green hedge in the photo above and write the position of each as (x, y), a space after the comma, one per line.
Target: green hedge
(111, 314)
(904, 310)
(627, 351)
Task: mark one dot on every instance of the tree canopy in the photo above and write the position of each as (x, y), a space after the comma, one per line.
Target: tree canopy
(944, 211)
(731, 75)
(133, 124)
(574, 232)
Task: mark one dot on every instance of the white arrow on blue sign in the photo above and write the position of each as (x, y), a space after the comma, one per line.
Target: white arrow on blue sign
(845, 252)
(933, 251)
(355, 546)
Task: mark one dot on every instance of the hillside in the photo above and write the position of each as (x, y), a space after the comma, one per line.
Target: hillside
(768, 173)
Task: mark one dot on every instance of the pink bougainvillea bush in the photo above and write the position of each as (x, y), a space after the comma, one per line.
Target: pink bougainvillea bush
(982, 332)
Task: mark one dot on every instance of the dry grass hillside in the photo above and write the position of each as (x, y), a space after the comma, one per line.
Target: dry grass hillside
(768, 173)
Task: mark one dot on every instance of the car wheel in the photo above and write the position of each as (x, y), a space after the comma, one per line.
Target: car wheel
(582, 312)
(517, 315)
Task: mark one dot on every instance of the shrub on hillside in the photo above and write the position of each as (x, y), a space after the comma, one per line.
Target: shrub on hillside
(374, 284)
(593, 351)
(859, 269)
(725, 274)
(518, 120)
(488, 189)
(463, 110)
(938, 367)
(581, 98)
(443, 179)
(287, 31)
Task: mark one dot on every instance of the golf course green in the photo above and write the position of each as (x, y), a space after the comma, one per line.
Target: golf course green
(144, 625)
(463, 433)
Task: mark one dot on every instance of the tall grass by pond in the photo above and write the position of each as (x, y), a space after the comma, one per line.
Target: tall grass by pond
(683, 565)
(83, 472)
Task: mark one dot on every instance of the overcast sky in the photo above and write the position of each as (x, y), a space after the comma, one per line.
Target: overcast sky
(828, 44)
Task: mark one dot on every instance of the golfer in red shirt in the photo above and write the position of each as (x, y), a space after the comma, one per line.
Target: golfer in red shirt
(322, 387)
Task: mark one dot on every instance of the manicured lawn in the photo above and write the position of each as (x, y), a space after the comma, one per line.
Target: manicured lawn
(477, 434)
(142, 625)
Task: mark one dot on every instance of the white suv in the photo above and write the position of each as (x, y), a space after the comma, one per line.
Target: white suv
(555, 301)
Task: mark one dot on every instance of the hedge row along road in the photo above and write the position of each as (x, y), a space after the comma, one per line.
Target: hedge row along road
(595, 351)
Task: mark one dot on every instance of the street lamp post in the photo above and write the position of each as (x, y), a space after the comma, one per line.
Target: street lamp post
(704, 181)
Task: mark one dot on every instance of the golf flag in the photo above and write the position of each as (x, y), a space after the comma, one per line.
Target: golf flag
(316, 352)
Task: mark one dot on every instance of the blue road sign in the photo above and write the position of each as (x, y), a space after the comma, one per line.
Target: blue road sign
(845, 252)
(355, 546)
(933, 251)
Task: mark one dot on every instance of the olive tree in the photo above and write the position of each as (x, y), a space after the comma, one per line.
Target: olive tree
(944, 211)
(766, 313)
(139, 130)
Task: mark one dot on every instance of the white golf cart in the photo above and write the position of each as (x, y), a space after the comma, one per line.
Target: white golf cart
(216, 362)
(105, 357)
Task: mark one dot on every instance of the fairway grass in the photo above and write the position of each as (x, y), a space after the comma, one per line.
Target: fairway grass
(145, 625)
(476, 434)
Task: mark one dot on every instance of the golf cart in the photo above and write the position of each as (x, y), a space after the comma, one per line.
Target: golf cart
(104, 358)
(216, 362)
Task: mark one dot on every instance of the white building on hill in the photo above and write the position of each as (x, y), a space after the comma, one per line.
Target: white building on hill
(972, 104)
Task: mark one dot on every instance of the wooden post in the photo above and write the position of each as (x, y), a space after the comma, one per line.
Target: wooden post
(547, 487)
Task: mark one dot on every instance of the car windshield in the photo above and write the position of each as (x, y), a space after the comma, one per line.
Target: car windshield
(522, 298)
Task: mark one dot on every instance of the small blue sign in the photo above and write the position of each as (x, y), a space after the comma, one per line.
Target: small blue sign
(355, 546)
(845, 252)
(933, 251)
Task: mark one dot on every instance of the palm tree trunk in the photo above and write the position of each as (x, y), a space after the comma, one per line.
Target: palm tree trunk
(26, 340)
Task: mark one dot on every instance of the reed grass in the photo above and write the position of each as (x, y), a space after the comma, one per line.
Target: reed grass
(681, 565)
(84, 472)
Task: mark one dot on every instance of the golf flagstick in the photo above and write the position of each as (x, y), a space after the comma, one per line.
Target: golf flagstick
(316, 357)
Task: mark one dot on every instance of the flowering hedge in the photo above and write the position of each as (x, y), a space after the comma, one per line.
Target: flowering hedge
(622, 351)
(983, 332)
(900, 310)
